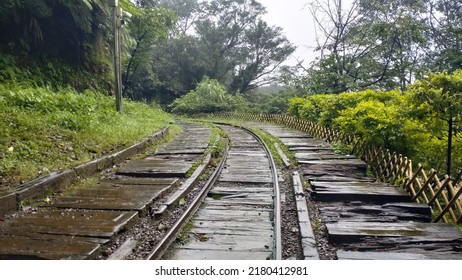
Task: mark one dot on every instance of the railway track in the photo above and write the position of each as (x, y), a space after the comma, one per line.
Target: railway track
(138, 210)
(84, 222)
(240, 216)
(155, 207)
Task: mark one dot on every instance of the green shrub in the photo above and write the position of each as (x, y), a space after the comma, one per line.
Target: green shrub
(209, 97)
(389, 119)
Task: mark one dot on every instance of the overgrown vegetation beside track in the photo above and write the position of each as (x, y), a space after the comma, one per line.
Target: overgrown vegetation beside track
(44, 129)
(422, 123)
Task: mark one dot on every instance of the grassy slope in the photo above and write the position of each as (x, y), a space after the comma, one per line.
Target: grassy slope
(42, 130)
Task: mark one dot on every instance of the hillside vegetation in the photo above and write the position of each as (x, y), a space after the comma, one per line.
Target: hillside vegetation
(44, 129)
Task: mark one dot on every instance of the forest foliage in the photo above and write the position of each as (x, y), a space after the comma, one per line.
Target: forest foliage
(384, 70)
(415, 122)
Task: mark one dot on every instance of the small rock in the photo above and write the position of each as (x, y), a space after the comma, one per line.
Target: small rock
(161, 226)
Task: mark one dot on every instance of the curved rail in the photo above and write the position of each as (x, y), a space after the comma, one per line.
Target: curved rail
(163, 245)
(170, 236)
(277, 197)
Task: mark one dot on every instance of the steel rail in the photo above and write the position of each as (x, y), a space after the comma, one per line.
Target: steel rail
(277, 198)
(163, 245)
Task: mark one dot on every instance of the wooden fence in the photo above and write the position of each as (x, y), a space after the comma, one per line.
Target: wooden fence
(441, 193)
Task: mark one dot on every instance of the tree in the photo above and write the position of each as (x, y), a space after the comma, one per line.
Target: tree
(240, 47)
(445, 33)
(266, 48)
(334, 22)
(222, 34)
(57, 28)
(146, 29)
(440, 96)
(369, 44)
(178, 66)
(221, 39)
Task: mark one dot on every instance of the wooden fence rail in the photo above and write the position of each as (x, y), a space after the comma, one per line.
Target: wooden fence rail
(442, 194)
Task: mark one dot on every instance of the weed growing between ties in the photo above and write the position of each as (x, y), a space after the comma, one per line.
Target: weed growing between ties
(270, 141)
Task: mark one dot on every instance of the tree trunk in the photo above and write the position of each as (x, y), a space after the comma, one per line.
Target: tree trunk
(450, 130)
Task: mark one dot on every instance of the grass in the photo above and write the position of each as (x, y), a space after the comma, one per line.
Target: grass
(270, 141)
(43, 129)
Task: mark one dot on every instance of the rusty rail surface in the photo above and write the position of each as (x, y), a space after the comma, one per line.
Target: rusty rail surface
(442, 193)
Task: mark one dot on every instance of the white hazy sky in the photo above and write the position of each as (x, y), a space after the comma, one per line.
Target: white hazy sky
(296, 20)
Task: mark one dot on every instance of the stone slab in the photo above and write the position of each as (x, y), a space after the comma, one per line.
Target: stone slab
(45, 246)
(156, 168)
(113, 196)
(391, 212)
(346, 232)
(368, 192)
(99, 224)
(198, 254)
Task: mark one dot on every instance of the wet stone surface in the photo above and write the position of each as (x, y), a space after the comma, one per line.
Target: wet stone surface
(355, 218)
(72, 224)
(235, 221)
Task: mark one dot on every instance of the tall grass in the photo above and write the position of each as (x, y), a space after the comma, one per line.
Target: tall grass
(44, 129)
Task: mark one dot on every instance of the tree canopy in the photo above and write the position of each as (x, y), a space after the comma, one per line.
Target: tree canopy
(382, 44)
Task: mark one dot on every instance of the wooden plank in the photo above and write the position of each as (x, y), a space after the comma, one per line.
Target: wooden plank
(237, 215)
(181, 150)
(265, 189)
(336, 162)
(139, 181)
(244, 224)
(323, 177)
(156, 168)
(231, 243)
(360, 185)
(235, 202)
(246, 179)
(401, 254)
(231, 208)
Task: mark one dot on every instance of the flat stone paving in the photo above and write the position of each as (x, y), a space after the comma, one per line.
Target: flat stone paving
(77, 223)
(110, 196)
(173, 159)
(66, 234)
(235, 221)
(364, 219)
